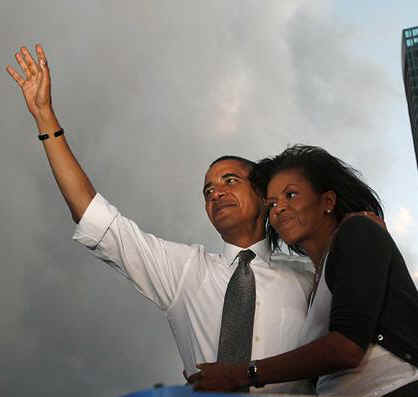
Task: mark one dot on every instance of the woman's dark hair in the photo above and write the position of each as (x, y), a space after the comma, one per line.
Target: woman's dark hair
(324, 172)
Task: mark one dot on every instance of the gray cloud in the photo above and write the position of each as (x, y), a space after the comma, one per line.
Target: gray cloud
(149, 93)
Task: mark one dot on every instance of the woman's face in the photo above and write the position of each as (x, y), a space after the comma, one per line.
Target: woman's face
(296, 211)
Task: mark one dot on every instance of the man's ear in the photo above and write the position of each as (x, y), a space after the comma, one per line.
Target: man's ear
(329, 200)
(262, 200)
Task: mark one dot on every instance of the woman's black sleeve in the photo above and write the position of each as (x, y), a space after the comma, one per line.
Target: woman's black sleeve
(357, 273)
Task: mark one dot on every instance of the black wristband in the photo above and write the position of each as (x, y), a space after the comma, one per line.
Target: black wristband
(58, 133)
(42, 137)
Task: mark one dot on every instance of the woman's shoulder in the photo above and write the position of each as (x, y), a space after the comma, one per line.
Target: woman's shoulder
(361, 226)
(360, 248)
(360, 236)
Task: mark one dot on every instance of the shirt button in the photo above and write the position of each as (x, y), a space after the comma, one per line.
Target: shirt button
(257, 303)
(380, 337)
(257, 339)
(408, 356)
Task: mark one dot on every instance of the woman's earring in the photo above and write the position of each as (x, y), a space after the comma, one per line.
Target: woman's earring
(328, 211)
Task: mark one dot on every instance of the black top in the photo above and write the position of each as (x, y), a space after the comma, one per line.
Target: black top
(374, 297)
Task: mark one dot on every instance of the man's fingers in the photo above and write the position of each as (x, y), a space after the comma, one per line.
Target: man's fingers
(22, 64)
(33, 67)
(194, 378)
(198, 387)
(205, 386)
(41, 56)
(16, 76)
(204, 365)
(46, 80)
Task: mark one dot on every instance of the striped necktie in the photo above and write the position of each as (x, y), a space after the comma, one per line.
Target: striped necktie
(235, 341)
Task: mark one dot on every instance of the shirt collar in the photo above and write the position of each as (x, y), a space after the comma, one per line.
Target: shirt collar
(261, 249)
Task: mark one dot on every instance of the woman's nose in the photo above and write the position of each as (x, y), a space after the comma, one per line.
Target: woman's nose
(277, 208)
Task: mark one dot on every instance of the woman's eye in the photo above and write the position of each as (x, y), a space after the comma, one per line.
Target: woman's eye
(270, 204)
(291, 195)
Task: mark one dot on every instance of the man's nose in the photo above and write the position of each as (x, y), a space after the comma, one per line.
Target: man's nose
(218, 193)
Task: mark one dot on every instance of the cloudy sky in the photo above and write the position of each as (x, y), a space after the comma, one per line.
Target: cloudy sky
(149, 92)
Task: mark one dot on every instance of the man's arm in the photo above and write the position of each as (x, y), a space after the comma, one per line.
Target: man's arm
(74, 184)
(153, 264)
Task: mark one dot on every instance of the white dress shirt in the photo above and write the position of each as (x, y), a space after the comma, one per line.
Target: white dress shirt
(189, 284)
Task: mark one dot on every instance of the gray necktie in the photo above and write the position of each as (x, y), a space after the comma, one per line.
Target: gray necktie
(235, 340)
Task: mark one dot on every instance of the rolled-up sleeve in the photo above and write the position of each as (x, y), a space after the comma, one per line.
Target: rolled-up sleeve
(95, 222)
(156, 266)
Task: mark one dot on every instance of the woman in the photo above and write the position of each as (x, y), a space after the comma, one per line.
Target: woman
(361, 332)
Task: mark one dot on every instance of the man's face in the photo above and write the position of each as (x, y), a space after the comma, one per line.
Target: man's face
(231, 202)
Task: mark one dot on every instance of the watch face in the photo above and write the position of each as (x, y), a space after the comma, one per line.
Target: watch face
(252, 369)
(253, 374)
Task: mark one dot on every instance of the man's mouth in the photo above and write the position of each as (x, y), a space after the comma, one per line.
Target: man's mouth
(221, 206)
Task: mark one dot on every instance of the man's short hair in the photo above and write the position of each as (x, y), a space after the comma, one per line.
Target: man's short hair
(250, 164)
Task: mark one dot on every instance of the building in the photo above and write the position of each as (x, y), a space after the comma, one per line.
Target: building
(410, 78)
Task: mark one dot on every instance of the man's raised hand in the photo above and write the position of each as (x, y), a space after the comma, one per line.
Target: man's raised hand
(74, 184)
(36, 83)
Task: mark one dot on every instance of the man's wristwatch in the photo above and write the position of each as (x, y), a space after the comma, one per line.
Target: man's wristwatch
(253, 374)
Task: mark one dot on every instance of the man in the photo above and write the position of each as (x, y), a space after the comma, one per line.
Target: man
(186, 282)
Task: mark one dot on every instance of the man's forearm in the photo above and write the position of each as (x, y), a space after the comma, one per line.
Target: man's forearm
(74, 184)
(35, 83)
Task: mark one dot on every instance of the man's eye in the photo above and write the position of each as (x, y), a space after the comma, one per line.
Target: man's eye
(208, 192)
(291, 195)
(230, 181)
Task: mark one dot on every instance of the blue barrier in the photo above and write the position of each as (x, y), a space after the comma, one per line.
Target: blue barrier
(176, 391)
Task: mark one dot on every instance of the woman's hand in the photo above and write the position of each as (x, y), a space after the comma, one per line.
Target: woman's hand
(219, 377)
(36, 83)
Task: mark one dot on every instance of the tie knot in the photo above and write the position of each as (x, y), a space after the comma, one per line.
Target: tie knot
(246, 256)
